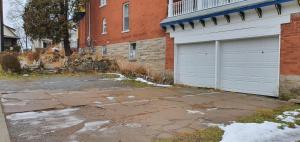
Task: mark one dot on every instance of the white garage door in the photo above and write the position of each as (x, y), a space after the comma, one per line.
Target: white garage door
(196, 64)
(250, 66)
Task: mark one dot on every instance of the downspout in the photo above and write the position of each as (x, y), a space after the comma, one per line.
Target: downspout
(1, 27)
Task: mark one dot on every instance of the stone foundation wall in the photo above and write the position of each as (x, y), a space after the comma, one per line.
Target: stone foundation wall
(150, 53)
(289, 82)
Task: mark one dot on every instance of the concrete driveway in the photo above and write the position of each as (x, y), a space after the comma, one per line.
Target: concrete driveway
(92, 109)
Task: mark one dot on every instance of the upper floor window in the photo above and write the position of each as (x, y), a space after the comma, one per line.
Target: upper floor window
(104, 26)
(102, 3)
(126, 17)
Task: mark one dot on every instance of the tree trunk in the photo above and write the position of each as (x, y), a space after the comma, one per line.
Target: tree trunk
(66, 34)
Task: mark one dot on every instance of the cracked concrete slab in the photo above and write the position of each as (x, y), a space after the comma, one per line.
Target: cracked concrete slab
(152, 113)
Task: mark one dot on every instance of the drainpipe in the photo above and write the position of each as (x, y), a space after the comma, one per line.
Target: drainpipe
(1, 27)
(89, 25)
(170, 8)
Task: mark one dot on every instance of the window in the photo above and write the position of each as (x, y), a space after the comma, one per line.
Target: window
(132, 51)
(126, 17)
(104, 51)
(102, 3)
(104, 26)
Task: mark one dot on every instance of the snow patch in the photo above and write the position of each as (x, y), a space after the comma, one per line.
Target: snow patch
(194, 112)
(97, 102)
(254, 132)
(41, 123)
(131, 97)
(89, 127)
(267, 131)
(120, 78)
(3, 100)
(211, 109)
(93, 126)
(151, 83)
(133, 125)
(288, 116)
(111, 98)
(15, 103)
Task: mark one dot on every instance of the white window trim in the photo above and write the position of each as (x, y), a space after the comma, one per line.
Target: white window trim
(102, 4)
(123, 18)
(104, 22)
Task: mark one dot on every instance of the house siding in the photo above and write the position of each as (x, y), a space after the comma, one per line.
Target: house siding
(145, 17)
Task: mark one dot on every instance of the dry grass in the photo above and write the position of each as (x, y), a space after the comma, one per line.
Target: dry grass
(33, 56)
(213, 134)
(134, 69)
(131, 69)
(270, 115)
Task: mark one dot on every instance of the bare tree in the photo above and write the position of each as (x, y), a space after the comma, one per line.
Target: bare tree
(15, 18)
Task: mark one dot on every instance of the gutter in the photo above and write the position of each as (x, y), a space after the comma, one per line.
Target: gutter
(201, 15)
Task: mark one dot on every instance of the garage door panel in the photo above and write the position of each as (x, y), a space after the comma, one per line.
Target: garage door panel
(250, 66)
(196, 64)
(253, 87)
(267, 72)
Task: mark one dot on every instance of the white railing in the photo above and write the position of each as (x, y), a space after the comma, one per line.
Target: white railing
(189, 6)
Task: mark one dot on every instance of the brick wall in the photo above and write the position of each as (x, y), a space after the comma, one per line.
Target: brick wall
(145, 17)
(290, 46)
(170, 54)
(290, 55)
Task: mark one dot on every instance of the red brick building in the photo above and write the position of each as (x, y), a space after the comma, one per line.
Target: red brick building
(129, 29)
(234, 45)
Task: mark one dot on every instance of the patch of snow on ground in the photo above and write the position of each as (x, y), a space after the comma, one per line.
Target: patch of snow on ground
(133, 125)
(98, 102)
(254, 132)
(131, 97)
(19, 103)
(40, 123)
(211, 109)
(267, 131)
(4, 100)
(111, 98)
(288, 116)
(120, 78)
(93, 126)
(194, 112)
(89, 127)
(151, 83)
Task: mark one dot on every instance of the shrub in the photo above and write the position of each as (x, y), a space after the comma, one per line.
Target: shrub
(33, 56)
(164, 78)
(10, 63)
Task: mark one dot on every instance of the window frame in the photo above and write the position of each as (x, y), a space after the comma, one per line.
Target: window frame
(102, 3)
(104, 26)
(123, 17)
(104, 51)
(132, 55)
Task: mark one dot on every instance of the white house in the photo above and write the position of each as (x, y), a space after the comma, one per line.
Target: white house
(247, 46)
